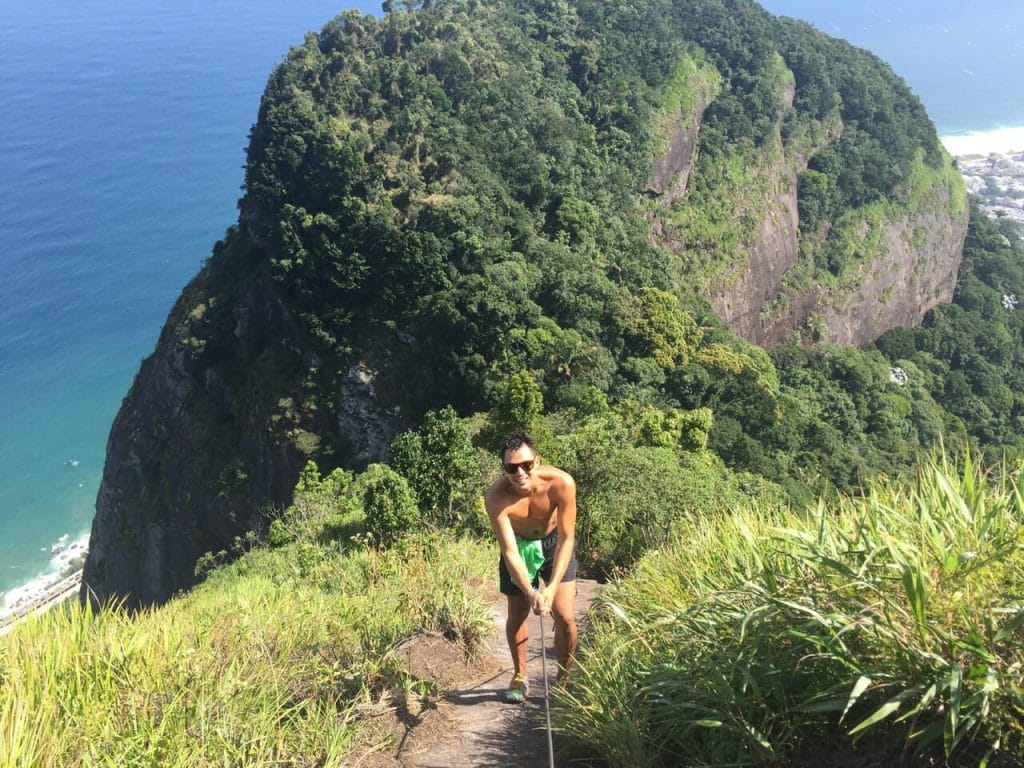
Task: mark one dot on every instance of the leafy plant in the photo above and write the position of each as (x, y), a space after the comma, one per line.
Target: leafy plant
(894, 618)
(388, 502)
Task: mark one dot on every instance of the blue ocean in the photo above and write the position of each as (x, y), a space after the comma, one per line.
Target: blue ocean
(123, 129)
(122, 136)
(961, 59)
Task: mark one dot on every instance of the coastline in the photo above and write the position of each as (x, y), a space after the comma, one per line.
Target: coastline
(58, 593)
(49, 587)
(998, 141)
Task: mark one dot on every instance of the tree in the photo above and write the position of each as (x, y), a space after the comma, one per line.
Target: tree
(389, 504)
(440, 463)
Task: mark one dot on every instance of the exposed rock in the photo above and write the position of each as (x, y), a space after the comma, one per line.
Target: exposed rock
(670, 171)
(164, 500)
(907, 280)
(894, 289)
(365, 425)
(774, 252)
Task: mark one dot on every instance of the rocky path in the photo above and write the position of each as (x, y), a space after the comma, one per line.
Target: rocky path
(468, 725)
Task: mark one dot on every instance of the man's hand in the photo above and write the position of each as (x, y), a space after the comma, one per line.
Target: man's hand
(542, 599)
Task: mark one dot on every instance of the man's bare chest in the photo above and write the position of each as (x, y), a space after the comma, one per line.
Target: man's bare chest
(533, 517)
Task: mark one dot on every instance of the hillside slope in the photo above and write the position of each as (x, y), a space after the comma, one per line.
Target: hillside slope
(451, 194)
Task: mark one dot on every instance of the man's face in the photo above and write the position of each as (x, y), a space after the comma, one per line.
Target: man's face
(517, 466)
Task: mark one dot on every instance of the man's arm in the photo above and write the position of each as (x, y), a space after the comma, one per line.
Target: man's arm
(563, 494)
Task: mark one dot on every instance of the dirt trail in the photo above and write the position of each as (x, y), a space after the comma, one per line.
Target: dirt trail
(468, 725)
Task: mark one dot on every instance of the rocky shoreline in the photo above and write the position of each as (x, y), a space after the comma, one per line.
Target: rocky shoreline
(68, 557)
(66, 588)
(997, 180)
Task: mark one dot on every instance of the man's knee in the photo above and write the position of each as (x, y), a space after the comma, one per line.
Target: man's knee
(563, 609)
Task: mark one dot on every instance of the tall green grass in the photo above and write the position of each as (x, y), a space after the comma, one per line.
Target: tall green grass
(272, 662)
(890, 623)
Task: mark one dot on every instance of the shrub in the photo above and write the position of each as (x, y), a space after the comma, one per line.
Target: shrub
(631, 498)
(441, 465)
(389, 503)
(762, 638)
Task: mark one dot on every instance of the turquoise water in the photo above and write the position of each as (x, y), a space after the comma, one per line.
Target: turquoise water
(122, 135)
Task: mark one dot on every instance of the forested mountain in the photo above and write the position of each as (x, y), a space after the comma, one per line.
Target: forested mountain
(600, 206)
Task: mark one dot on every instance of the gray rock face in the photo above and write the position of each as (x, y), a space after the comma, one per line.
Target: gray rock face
(366, 426)
(169, 494)
(774, 252)
(894, 290)
(670, 171)
(914, 270)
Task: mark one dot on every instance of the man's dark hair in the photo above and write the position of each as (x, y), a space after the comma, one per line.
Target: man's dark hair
(516, 440)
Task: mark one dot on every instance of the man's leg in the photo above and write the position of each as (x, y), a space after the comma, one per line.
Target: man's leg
(563, 609)
(516, 630)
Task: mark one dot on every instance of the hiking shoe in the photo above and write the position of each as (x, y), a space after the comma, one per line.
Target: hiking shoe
(517, 690)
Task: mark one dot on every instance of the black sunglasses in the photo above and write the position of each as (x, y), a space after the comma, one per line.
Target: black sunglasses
(512, 469)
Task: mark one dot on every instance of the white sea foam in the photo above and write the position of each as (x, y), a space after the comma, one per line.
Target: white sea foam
(1001, 141)
(68, 558)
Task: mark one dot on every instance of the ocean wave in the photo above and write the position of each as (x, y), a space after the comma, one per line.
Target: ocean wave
(68, 558)
(1000, 141)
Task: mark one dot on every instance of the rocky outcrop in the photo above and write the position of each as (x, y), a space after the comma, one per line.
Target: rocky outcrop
(368, 427)
(187, 456)
(770, 257)
(233, 402)
(670, 171)
(199, 453)
(913, 269)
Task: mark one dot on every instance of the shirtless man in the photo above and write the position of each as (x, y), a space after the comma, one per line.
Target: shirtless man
(532, 509)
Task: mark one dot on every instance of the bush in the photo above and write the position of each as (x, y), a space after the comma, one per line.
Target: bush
(442, 468)
(631, 498)
(389, 503)
(763, 638)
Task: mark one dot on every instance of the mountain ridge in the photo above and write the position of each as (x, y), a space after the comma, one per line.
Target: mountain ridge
(456, 192)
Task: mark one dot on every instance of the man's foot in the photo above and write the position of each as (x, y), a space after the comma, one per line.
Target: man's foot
(517, 690)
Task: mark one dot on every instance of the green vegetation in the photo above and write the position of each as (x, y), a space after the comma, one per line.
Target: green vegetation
(890, 622)
(458, 182)
(736, 631)
(969, 356)
(277, 659)
(449, 197)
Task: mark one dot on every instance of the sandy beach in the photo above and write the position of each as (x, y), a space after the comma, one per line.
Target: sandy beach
(1000, 141)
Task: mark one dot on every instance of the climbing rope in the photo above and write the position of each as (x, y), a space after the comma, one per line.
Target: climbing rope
(547, 696)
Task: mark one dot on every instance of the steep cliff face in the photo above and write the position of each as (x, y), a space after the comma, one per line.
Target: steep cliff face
(198, 456)
(907, 263)
(159, 507)
(913, 270)
(774, 250)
